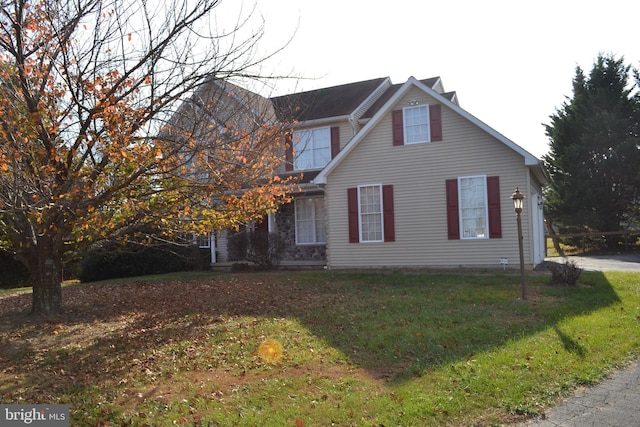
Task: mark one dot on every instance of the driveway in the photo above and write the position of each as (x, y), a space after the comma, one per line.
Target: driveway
(620, 262)
(612, 403)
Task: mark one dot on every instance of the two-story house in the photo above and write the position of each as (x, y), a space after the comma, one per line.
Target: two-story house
(399, 175)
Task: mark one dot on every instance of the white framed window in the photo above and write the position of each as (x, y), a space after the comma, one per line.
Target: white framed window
(203, 240)
(416, 124)
(311, 223)
(312, 148)
(370, 213)
(474, 212)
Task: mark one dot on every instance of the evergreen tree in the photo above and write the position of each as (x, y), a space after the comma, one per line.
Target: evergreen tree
(594, 156)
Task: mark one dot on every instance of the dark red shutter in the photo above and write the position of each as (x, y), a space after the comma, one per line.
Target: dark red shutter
(352, 206)
(493, 200)
(398, 127)
(288, 153)
(387, 213)
(435, 122)
(335, 141)
(453, 219)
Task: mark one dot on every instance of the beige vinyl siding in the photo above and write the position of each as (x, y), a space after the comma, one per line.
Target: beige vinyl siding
(222, 246)
(346, 133)
(418, 173)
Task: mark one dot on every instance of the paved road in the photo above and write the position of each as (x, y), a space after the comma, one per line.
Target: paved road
(616, 401)
(622, 262)
(613, 403)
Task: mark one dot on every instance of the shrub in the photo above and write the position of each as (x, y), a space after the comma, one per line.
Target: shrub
(566, 273)
(12, 273)
(111, 261)
(264, 249)
(240, 267)
(237, 246)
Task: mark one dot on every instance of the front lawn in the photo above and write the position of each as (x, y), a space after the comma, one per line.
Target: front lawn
(392, 349)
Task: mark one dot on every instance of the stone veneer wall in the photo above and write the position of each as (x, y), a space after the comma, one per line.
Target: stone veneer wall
(286, 228)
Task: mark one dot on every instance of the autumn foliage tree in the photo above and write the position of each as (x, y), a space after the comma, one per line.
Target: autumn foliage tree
(94, 138)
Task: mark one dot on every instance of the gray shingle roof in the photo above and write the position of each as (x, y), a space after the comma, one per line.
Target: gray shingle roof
(327, 102)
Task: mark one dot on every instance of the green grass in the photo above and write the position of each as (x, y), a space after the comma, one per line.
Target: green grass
(372, 349)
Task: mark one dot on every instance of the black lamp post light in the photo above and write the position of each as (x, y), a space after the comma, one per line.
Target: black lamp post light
(518, 202)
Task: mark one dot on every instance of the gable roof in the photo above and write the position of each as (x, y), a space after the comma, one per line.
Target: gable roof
(431, 82)
(333, 101)
(395, 93)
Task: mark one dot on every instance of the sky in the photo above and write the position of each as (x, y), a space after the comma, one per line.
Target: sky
(511, 63)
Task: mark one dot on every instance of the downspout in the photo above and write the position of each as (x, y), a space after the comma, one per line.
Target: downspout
(530, 218)
(327, 248)
(212, 246)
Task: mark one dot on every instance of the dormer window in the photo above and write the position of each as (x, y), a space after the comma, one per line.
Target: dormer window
(416, 124)
(312, 148)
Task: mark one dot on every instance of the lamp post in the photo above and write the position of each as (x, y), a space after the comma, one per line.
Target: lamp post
(518, 201)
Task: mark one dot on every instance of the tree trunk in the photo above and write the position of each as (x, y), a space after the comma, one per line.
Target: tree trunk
(555, 240)
(46, 276)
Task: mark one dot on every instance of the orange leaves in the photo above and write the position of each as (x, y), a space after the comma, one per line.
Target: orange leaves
(28, 69)
(53, 155)
(84, 158)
